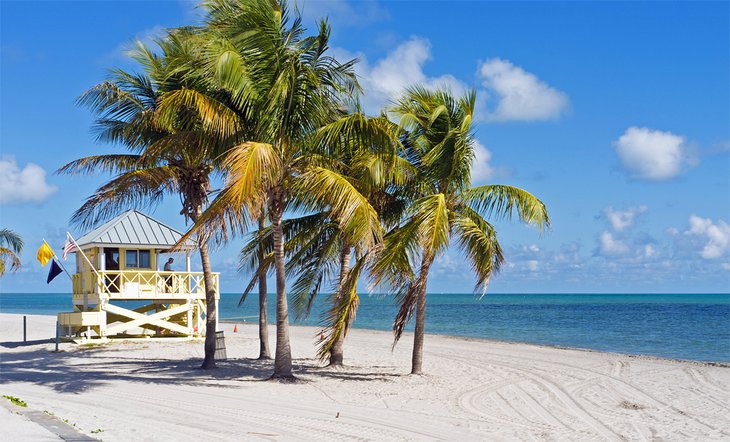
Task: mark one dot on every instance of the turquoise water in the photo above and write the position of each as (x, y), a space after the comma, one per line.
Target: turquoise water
(687, 326)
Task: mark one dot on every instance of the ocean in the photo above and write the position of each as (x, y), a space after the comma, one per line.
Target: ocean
(678, 326)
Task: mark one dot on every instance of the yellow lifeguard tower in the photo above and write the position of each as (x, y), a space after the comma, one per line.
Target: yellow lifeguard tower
(125, 294)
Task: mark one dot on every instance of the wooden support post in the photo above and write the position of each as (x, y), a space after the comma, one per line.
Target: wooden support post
(190, 317)
(56, 336)
(25, 331)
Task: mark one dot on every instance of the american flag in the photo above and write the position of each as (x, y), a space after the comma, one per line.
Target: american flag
(68, 248)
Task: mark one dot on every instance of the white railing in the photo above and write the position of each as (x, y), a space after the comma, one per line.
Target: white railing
(142, 284)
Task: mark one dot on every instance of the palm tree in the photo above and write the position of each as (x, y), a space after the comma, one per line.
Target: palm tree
(171, 153)
(269, 69)
(318, 253)
(264, 352)
(439, 143)
(11, 245)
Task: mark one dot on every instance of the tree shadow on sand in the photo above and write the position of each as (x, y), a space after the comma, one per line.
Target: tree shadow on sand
(16, 344)
(83, 369)
(80, 369)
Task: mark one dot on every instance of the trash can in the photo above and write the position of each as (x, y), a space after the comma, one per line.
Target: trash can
(220, 346)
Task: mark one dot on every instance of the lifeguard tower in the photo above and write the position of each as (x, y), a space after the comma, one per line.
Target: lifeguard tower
(125, 294)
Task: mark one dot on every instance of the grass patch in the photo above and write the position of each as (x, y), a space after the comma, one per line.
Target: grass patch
(16, 400)
(97, 431)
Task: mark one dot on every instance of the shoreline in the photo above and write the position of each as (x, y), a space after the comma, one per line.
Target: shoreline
(476, 339)
(504, 341)
(471, 389)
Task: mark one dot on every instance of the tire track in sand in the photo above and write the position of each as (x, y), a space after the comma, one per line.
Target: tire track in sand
(573, 406)
(627, 388)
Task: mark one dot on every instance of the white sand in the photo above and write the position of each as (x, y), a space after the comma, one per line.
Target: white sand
(474, 390)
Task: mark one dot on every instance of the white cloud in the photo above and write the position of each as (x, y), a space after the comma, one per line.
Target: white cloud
(623, 219)
(652, 154)
(23, 185)
(510, 93)
(386, 80)
(648, 251)
(481, 169)
(609, 245)
(520, 95)
(715, 236)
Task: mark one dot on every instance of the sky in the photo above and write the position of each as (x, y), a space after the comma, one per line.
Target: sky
(615, 114)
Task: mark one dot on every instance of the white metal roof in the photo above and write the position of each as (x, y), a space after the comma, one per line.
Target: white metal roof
(133, 229)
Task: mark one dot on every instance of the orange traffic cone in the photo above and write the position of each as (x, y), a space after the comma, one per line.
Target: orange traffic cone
(235, 328)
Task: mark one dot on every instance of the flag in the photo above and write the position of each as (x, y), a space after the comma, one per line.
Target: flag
(54, 271)
(44, 253)
(68, 248)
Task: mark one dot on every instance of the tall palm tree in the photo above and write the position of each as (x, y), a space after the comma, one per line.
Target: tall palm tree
(11, 245)
(439, 143)
(171, 152)
(318, 254)
(269, 69)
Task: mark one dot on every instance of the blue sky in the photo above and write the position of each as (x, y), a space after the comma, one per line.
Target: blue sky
(615, 114)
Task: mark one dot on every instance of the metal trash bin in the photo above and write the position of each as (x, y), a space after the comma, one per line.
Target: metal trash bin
(220, 346)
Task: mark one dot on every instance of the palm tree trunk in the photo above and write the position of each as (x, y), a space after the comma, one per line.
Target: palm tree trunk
(282, 360)
(210, 308)
(337, 350)
(418, 335)
(264, 352)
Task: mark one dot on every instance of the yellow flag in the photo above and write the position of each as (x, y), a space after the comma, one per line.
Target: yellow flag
(45, 253)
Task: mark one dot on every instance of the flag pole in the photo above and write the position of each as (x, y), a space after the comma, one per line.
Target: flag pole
(63, 267)
(83, 254)
(58, 261)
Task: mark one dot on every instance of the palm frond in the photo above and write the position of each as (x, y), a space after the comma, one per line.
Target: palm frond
(215, 116)
(137, 188)
(324, 189)
(8, 256)
(478, 241)
(11, 240)
(338, 319)
(113, 164)
(501, 201)
(432, 215)
(253, 167)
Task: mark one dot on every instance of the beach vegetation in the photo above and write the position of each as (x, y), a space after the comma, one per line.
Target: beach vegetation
(443, 205)
(17, 401)
(318, 254)
(288, 158)
(11, 246)
(170, 151)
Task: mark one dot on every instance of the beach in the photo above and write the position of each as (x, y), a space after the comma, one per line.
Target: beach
(472, 390)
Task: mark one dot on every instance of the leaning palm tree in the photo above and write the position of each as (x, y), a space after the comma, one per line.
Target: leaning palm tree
(440, 145)
(269, 69)
(171, 153)
(11, 245)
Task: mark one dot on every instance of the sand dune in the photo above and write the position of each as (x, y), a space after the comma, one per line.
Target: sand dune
(474, 390)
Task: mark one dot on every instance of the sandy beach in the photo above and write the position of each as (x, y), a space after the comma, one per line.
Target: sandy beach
(473, 390)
